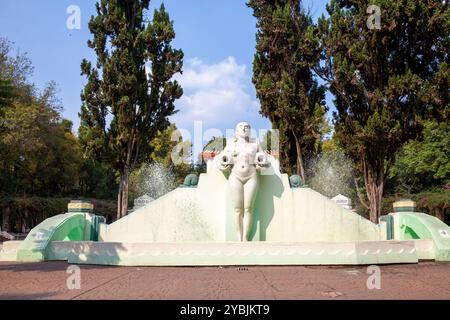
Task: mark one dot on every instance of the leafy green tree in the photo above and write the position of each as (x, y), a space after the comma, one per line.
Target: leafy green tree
(169, 148)
(435, 202)
(132, 82)
(40, 157)
(266, 141)
(15, 71)
(285, 85)
(21, 144)
(97, 179)
(40, 153)
(384, 80)
(6, 93)
(423, 164)
(65, 161)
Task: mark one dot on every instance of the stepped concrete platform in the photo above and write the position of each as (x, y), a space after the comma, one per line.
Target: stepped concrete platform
(235, 253)
(8, 250)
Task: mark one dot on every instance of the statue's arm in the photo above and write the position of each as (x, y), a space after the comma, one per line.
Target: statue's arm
(225, 158)
(261, 158)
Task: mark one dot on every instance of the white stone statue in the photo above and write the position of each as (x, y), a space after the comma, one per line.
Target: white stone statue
(245, 159)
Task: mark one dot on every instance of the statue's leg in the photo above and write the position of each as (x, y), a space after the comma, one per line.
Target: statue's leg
(250, 189)
(237, 198)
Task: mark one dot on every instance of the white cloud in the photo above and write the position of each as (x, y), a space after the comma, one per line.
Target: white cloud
(217, 94)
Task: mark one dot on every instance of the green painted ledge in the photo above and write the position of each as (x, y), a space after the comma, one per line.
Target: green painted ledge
(417, 225)
(63, 227)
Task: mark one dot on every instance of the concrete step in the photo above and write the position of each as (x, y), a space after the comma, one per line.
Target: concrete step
(8, 250)
(235, 253)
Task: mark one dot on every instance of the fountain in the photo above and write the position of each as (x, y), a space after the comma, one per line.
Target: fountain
(242, 211)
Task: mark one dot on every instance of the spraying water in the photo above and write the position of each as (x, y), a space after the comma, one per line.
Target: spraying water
(331, 173)
(153, 179)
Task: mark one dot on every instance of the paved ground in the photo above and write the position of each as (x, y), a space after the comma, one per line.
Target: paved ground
(48, 280)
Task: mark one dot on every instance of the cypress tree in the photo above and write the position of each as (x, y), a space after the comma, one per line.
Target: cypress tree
(130, 92)
(285, 84)
(386, 79)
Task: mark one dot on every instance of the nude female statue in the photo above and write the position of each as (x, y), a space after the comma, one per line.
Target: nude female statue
(244, 158)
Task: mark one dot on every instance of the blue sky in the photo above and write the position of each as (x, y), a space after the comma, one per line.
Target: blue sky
(217, 37)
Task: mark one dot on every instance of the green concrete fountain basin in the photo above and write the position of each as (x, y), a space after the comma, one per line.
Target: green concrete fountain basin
(195, 227)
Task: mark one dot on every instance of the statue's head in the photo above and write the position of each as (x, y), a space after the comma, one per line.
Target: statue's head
(242, 130)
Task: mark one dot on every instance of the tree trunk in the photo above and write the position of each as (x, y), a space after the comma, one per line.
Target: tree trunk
(125, 193)
(119, 199)
(24, 221)
(359, 194)
(122, 197)
(300, 163)
(374, 186)
(5, 220)
(439, 213)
